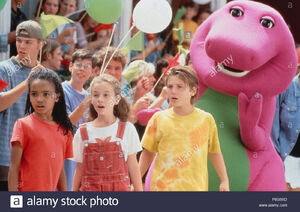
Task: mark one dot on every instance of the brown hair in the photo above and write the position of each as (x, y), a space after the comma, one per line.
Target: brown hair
(122, 109)
(50, 46)
(43, 4)
(187, 75)
(61, 1)
(84, 54)
(119, 56)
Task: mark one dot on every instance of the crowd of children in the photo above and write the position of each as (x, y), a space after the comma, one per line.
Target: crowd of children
(102, 156)
(85, 133)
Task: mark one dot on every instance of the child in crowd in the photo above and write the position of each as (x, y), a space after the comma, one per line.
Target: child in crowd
(82, 68)
(15, 73)
(153, 46)
(161, 66)
(64, 35)
(182, 136)
(105, 149)
(189, 26)
(116, 65)
(68, 7)
(51, 54)
(203, 15)
(97, 38)
(42, 140)
(77, 98)
(49, 7)
(115, 68)
(139, 72)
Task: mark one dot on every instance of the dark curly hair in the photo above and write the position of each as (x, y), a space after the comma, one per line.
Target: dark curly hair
(59, 112)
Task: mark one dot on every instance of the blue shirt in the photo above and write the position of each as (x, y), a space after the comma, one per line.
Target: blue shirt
(13, 73)
(286, 124)
(3, 43)
(64, 48)
(126, 90)
(152, 58)
(73, 98)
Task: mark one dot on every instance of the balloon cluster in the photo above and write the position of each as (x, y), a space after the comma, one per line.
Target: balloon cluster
(149, 16)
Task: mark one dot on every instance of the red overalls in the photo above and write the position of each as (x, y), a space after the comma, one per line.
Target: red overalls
(103, 166)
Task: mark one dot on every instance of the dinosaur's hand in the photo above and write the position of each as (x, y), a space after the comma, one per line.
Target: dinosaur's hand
(252, 134)
(250, 109)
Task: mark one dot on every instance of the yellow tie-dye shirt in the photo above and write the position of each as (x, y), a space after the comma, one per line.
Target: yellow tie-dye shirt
(182, 144)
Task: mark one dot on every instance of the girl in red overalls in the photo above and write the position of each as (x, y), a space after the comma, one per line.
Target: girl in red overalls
(105, 148)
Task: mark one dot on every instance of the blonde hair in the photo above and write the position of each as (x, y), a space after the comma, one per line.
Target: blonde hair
(122, 109)
(187, 75)
(137, 69)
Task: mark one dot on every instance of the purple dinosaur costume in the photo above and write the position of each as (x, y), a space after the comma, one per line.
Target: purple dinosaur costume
(243, 50)
(246, 50)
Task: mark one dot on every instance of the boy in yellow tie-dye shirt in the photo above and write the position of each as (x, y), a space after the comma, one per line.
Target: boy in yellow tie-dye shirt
(182, 137)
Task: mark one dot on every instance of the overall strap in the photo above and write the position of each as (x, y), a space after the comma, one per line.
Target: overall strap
(83, 132)
(121, 129)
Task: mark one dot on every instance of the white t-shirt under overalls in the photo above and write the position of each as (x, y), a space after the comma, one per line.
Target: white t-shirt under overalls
(130, 143)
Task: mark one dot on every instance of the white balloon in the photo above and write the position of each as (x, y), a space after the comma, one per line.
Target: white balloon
(202, 1)
(152, 16)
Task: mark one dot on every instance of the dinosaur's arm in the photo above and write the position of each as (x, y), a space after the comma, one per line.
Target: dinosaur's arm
(252, 132)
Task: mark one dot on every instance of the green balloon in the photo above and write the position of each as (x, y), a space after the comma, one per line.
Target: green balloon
(2, 4)
(104, 11)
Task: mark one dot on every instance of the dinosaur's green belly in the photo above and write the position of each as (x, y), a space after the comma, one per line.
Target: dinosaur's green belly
(224, 109)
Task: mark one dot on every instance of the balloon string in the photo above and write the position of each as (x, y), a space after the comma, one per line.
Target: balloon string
(40, 58)
(171, 64)
(118, 47)
(161, 76)
(90, 34)
(82, 17)
(106, 52)
(39, 10)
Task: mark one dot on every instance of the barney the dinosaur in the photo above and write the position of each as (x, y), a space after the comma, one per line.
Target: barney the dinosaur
(244, 55)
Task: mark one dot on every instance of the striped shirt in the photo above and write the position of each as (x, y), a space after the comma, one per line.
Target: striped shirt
(3, 43)
(13, 73)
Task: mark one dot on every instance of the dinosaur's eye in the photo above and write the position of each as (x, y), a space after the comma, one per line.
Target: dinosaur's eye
(267, 22)
(236, 12)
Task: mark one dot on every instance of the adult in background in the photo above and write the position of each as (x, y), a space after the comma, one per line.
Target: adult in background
(285, 132)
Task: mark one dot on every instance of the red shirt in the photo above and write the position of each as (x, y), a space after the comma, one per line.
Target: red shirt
(44, 150)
